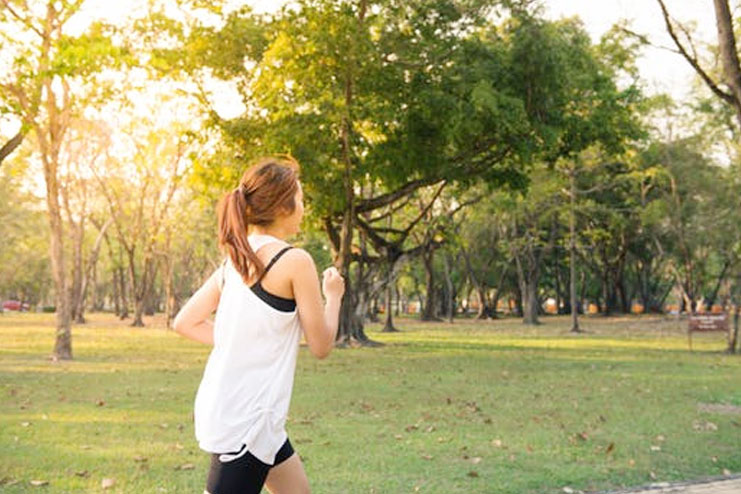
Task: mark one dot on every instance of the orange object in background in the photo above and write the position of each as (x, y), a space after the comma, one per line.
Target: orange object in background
(716, 309)
(637, 309)
(593, 309)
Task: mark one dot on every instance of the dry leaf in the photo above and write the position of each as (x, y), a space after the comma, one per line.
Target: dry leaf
(726, 472)
(476, 460)
(473, 473)
(107, 483)
(655, 448)
(39, 483)
(82, 473)
(187, 466)
(427, 457)
(497, 443)
(140, 459)
(25, 424)
(610, 448)
(652, 475)
(100, 403)
(568, 490)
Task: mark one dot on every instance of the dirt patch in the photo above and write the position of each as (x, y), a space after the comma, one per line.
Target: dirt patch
(719, 408)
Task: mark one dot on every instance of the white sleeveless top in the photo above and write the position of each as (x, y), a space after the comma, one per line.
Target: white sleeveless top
(246, 388)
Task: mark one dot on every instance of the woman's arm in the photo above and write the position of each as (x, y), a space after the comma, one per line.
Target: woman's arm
(192, 320)
(319, 321)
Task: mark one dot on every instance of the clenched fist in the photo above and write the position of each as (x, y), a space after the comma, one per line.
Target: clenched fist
(333, 285)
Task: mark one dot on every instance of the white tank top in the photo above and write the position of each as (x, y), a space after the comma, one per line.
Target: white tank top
(246, 388)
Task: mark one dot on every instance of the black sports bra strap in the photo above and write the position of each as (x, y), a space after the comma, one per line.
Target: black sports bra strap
(273, 261)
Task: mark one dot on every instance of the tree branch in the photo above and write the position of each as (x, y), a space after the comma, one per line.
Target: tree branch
(11, 145)
(728, 98)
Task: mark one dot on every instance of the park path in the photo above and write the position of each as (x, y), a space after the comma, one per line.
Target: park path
(716, 486)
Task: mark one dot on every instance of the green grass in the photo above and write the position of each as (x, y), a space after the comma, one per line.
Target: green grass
(471, 407)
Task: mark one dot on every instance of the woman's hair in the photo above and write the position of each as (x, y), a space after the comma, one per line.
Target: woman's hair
(267, 190)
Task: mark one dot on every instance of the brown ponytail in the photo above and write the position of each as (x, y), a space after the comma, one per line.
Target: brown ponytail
(266, 190)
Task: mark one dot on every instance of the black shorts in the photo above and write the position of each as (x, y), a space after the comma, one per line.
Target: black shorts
(244, 475)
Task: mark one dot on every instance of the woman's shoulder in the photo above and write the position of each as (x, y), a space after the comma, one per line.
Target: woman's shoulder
(298, 256)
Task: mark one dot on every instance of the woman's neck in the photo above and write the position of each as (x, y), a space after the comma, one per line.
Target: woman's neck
(272, 230)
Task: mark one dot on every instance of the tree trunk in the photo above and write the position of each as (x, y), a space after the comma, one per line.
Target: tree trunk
(388, 326)
(63, 341)
(572, 255)
(528, 292)
(728, 52)
(428, 311)
(719, 282)
(530, 308)
(123, 292)
(732, 341)
(89, 272)
(76, 286)
(450, 301)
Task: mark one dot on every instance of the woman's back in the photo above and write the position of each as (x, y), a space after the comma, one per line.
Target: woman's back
(246, 388)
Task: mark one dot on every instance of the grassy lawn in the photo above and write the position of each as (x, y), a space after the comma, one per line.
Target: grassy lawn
(471, 407)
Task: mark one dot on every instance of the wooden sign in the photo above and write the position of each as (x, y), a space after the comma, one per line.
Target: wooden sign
(706, 323)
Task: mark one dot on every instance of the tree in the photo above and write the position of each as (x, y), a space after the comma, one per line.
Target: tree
(141, 213)
(51, 77)
(384, 96)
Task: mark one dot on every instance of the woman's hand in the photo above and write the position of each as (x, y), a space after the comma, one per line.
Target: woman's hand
(333, 284)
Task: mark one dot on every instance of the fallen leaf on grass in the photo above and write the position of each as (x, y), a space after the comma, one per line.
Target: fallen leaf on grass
(655, 448)
(704, 425)
(610, 448)
(476, 460)
(140, 459)
(107, 483)
(25, 424)
(186, 466)
(82, 473)
(726, 472)
(497, 443)
(100, 403)
(473, 473)
(427, 457)
(568, 490)
(39, 483)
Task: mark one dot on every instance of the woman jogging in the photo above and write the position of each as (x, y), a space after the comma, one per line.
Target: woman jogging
(265, 293)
